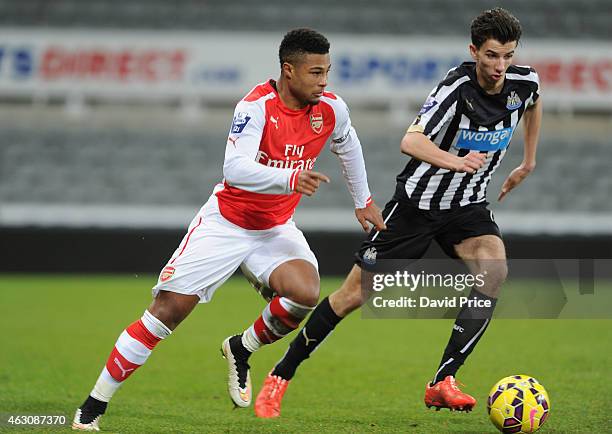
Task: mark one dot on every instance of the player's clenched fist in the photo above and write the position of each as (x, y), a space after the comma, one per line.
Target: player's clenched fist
(470, 163)
(308, 182)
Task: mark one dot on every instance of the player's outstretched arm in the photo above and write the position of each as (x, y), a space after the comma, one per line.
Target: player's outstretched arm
(345, 144)
(417, 145)
(351, 159)
(308, 182)
(532, 119)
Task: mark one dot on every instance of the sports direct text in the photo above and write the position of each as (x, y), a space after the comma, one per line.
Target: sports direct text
(411, 281)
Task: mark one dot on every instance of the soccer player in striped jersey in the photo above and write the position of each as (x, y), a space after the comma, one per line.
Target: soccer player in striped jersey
(278, 131)
(456, 143)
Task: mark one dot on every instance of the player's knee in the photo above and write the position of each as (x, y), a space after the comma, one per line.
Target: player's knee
(492, 263)
(306, 293)
(166, 315)
(171, 308)
(311, 295)
(496, 272)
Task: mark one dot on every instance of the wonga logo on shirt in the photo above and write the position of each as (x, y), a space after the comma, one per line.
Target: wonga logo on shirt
(484, 140)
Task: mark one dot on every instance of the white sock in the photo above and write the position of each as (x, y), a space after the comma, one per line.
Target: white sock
(106, 385)
(250, 341)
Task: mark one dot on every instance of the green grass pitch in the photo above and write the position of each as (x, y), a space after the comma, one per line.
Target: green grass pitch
(369, 376)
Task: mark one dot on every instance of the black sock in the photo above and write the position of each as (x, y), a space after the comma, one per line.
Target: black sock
(239, 350)
(321, 322)
(469, 327)
(91, 409)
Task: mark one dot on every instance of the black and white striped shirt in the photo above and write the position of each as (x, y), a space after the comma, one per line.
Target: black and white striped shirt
(459, 116)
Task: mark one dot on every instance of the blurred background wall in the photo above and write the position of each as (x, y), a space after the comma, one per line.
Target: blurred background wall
(114, 117)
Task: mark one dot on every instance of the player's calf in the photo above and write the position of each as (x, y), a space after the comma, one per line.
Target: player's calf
(350, 295)
(296, 283)
(485, 256)
(280, 317)
(323, 320)
(131, 351)
(495, 272)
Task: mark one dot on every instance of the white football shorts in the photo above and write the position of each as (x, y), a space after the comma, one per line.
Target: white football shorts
(213, 248)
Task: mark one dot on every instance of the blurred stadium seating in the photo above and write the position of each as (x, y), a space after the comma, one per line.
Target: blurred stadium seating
(88, 163)
(576, 19)
(60, 156)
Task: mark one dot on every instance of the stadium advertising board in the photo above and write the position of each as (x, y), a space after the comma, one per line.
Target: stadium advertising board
(224, 66)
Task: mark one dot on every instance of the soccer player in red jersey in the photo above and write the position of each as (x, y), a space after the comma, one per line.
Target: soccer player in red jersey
(456, 143)
(278, 130)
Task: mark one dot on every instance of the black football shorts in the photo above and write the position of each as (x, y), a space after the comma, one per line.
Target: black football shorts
(411, 230)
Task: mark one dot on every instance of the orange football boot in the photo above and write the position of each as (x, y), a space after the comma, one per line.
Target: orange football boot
(446, 394)
(268, 402)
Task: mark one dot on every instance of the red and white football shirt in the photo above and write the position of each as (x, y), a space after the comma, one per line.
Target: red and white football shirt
(269, 144)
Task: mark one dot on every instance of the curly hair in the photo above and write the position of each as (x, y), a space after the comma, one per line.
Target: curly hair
(301, 41)
(498, 24)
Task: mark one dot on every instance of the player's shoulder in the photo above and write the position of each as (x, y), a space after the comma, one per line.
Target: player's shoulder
(522, 73)
(448, 87)
(521, 69)
(454, 79)
(336, 104)
(262, 91)
(254, 102)
(333, 99)
(331, 95)
(458, 73)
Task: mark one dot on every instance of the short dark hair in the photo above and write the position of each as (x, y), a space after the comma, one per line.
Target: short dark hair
(301, 41)
(498, 24)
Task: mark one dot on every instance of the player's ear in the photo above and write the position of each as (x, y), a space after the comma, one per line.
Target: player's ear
(288, 70)
(473, 51)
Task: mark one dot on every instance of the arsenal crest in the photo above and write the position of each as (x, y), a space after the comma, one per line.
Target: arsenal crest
(316, 122)
(167, 273)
